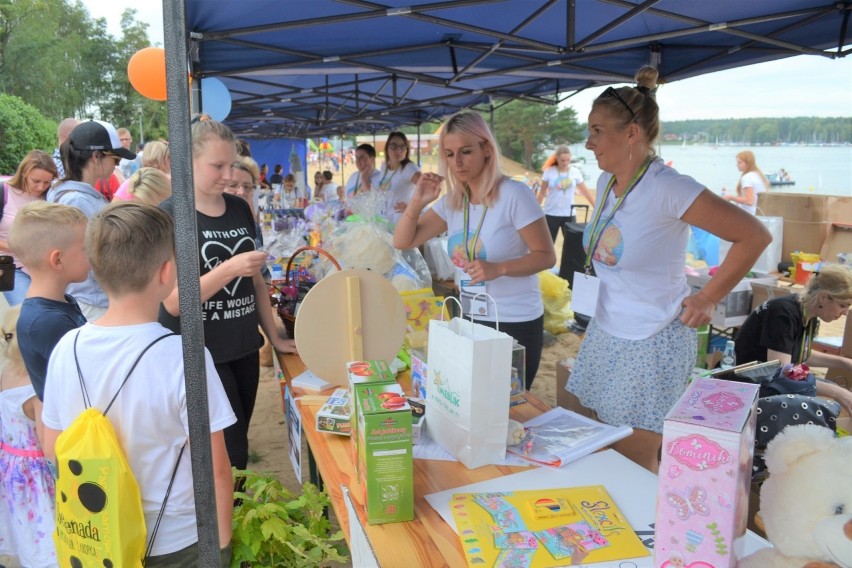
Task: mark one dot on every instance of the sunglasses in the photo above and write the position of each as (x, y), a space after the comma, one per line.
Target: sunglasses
(610, 93)
(200, 118)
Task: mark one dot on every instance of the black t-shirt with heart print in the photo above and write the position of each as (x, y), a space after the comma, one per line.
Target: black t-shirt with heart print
(230, 315)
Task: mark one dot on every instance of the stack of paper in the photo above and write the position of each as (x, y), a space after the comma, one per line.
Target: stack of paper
(309, 381)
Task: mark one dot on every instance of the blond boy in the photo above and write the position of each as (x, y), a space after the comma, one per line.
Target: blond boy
(48, 239)
(132, 251)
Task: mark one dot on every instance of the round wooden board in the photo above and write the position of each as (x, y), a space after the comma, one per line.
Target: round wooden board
(323, 330)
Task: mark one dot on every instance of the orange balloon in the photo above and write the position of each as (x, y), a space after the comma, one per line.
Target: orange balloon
(147, 72)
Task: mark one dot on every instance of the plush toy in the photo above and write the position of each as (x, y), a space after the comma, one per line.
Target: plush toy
(806, 504)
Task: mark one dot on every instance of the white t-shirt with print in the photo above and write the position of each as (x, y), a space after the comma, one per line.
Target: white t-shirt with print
(399, 187)
(149, 415)
(518, 298)
(754, 181)
(329, 191)
(560, 190)
(641, 254)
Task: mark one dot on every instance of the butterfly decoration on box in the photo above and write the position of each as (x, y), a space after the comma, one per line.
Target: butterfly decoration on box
(692, 504)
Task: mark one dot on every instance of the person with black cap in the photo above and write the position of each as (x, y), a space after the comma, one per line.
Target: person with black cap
(90, 153)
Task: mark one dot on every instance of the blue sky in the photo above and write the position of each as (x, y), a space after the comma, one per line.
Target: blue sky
(796, 86)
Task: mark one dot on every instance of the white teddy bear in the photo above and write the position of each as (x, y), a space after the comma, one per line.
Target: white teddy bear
(806, 504)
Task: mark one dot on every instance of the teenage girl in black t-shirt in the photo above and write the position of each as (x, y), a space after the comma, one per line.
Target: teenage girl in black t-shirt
(234, 296)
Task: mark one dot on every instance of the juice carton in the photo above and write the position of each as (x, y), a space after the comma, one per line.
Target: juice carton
(364, 372)
(519, 370)
(418, 373)
(708, 446)
(334, 415)
(374, 371)
(385, 461)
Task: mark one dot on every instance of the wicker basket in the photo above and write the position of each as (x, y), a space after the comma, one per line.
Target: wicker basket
(286, 306)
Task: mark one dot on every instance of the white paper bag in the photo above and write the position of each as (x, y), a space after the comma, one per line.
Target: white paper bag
(771, 256)
(468, 391)
(769, 259)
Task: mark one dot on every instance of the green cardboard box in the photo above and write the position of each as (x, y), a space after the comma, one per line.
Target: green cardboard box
(385, 461)
(373, 372)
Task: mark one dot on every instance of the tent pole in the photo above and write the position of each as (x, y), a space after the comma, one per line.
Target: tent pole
(189, 283)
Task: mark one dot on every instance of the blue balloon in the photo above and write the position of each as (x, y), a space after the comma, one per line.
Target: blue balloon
(215, 98)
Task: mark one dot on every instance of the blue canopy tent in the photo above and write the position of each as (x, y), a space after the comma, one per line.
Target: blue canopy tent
(305, 68)
(321, 67)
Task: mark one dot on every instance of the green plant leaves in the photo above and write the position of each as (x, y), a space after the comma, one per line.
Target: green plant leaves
(275, 529)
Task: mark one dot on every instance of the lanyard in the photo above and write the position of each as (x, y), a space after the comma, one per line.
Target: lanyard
(598, 227)
(382, 183)
(470, 249)
(807, 339)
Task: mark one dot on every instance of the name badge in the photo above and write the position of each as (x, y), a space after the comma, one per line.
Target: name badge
(584, 295)
(471, 304)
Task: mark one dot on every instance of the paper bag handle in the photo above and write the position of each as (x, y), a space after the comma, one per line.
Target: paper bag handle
(461, 310)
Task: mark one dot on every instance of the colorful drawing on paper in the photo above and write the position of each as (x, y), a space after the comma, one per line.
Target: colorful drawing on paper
(543, 528)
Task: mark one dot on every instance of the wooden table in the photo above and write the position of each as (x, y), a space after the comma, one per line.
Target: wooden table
(425, 541)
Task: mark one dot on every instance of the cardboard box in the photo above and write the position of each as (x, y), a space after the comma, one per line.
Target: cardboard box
(376, 372)
(364, 373)
(705, 474)
(839, 376)
(734, 308)
(807, 217)
(763, 292)
(519, 374)
(385, 461)
(838, 240)
(564, 398)
(418, 373)
(334, 415)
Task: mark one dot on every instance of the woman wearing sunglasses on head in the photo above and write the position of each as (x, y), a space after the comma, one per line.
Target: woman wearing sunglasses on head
(641, 343)
(90, 153)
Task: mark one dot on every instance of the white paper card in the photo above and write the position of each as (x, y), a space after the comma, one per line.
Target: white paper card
(310, 381)
(584, 295)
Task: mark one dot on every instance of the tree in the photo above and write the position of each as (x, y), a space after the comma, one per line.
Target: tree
(123, 105)
(22, 128)
(526, 130)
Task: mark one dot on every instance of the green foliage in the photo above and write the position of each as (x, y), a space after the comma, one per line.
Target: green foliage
(528, 131)
(59, 59)
(275, 529)
(22, 128)
(750, 131)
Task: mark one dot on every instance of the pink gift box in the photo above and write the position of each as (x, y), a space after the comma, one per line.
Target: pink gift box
(702, 502)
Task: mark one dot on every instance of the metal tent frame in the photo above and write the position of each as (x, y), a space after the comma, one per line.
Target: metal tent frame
(330, 66)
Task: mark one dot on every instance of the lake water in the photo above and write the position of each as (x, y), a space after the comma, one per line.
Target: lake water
(817, 169)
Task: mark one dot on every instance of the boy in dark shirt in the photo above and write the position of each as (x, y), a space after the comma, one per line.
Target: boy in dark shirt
(48, 238)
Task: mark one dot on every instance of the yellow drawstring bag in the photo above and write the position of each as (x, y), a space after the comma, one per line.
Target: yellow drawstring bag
(99, 517)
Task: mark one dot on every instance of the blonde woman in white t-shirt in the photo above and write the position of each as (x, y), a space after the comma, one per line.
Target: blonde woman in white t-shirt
(641, 343)
(559, 180)
(751, 182)
(503, 244)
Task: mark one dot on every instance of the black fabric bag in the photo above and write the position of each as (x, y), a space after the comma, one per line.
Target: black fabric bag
(776, 412)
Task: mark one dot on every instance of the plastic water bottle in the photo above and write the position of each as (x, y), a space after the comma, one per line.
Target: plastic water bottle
(729, 357)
